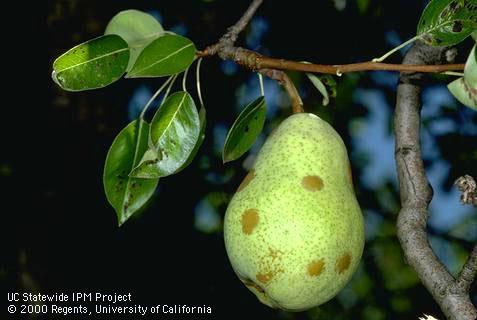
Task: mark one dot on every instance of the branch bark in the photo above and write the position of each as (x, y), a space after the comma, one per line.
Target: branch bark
(254, 60)
(416, 193)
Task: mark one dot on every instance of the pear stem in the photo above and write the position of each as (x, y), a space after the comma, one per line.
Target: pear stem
(284, 80)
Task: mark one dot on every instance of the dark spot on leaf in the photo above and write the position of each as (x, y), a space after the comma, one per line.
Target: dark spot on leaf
(247, 128)
(457, 27)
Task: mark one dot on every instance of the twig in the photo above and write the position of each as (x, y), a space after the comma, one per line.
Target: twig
(254, 61)
(416, 193)
(468, 273)
(229, 38)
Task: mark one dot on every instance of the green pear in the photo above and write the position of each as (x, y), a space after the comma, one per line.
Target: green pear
(294, 231)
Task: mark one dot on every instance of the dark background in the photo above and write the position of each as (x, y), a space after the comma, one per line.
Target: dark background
(60, 235)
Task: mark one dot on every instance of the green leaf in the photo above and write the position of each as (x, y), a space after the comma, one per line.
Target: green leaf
(465, 89)
(245, 130)
(137, 28)
(203, 122)
(173, 135)
(325, 84)
(474, 35)
(169, 54)
(464, 93)
(125, 194)
(93, 64)
(470, 69)
(447, 22)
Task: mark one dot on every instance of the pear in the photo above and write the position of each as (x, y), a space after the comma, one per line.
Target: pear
(294, 231)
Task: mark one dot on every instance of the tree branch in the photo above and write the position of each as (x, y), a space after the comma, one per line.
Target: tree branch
(229, 38)
(468, 273)
(416, 193)
(255, 61)
(272, 67)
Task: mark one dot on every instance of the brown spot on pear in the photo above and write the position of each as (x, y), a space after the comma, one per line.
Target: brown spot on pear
(249, 220)
(315, 268)
(312, 183)
(264, 277)
(300, 202)
(343, 263)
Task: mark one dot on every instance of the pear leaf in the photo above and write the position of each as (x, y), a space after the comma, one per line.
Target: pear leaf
(203, 123)
(470, 69)
(173, 135)
(465, 89)
(244, 130)
(464, 93)
(167, 55)
(325, 84)
(127, 195)
(93, 64)
(137, 28)
(447, 22)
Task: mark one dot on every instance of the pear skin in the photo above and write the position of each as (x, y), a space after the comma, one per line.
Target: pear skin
(294, 231)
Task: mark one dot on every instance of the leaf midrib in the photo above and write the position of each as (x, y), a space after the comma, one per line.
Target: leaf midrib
(160, 60)
(94, 59)
(172, 119)
(441, 25)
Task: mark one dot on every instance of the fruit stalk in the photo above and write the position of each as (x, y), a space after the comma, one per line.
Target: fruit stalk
(284, 80)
